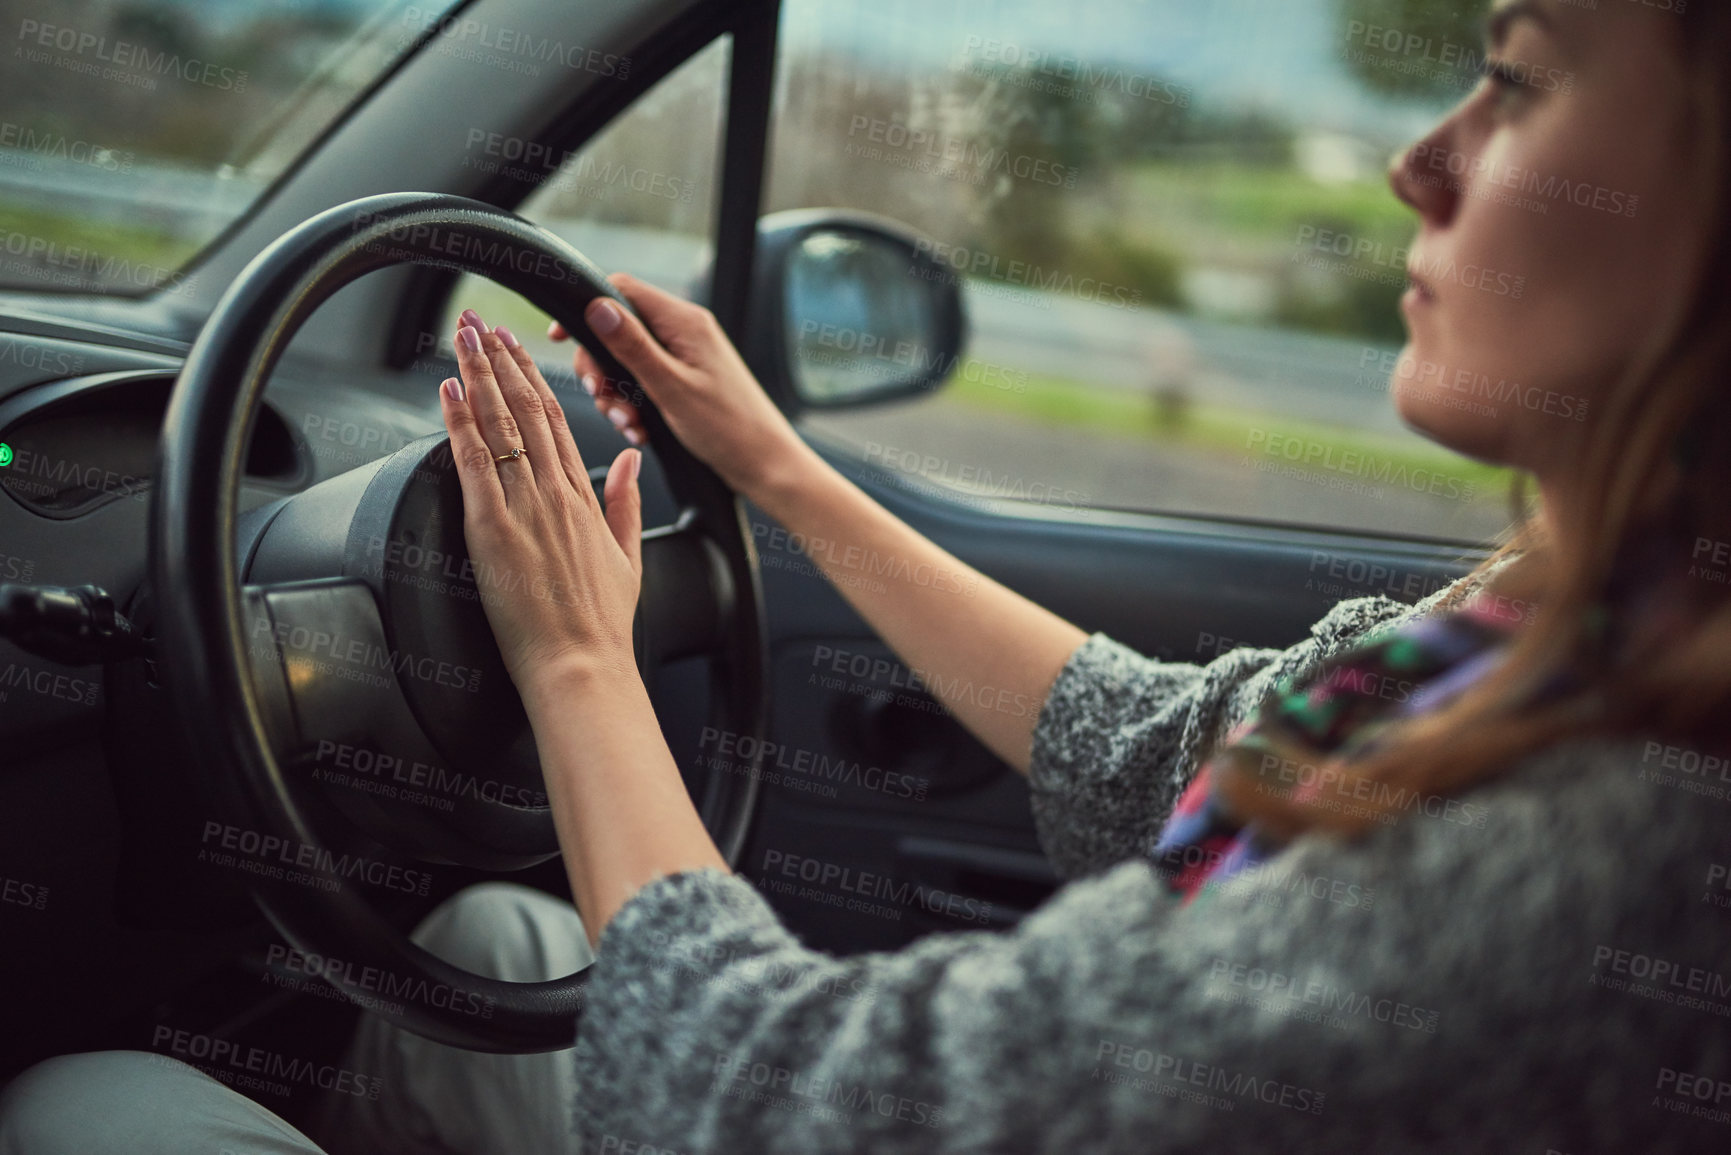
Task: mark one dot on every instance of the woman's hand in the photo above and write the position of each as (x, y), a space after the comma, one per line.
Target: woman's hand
(691, 371)
(558, 576)
(559, 579)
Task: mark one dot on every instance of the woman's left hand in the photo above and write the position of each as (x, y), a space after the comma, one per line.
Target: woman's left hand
(558, 577)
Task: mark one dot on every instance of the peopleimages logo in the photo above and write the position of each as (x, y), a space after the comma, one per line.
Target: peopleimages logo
(273, 856)
(1327, 787)
(458, 31)
(951, 154)
(863, 561)
(1411, 52)
(1394, 261)
(38, 143)
(48, 684)
(784, 1088)
(1664, 974)
(821, 343)
(738, 751)
(205, 1051)
(1369, 468)
(124, 55)
(377, 981)
(1718, 892)
(973, 481)
(1533, 188)
(1661, 980)
(843, 881)
(47, 260)
(355, 656)
(360, 764)
(34, 472)
(1178, 1071)
(1432, 378)
(872, 670)
(1695, 771)
(19, 893)
(524, 159)
(1271, 990)
(1334, 574)
(981, 265)
(612, 1144)
(1064, 75)
(31, 356)
(1704, 1088)
(420, 241)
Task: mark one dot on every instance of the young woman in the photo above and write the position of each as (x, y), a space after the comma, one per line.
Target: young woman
(1437, 878)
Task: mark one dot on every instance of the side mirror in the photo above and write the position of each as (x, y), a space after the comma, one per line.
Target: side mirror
(850, 309)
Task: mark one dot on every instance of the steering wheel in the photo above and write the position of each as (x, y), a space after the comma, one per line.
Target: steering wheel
(328, 646)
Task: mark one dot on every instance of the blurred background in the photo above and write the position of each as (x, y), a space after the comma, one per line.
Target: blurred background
(1170, 219)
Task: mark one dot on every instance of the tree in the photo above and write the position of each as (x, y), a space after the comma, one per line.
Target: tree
(1417, 48)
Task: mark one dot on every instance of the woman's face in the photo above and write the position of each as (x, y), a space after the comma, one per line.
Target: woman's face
(1557, 220)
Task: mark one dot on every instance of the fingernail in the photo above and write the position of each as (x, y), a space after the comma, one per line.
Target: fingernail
(470, 338)
(603, 317)
(471, 319)
(504, 335)
(619, 418)
(453, 388)
(589, 384)
(636, 464)
(635, 436)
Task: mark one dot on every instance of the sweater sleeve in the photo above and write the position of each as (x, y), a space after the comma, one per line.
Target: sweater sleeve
(1120, 735)
(1423, 989)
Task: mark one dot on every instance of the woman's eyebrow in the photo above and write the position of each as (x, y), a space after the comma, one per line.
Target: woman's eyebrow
(1498, 23)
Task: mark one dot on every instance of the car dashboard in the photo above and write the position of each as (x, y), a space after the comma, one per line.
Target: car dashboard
(94, 782)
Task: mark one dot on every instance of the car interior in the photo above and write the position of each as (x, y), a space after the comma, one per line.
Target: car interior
(248, 449)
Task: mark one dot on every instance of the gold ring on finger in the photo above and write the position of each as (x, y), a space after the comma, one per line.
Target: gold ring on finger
(515, 453)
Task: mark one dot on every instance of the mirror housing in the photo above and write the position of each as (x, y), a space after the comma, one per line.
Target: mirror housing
(850, 309)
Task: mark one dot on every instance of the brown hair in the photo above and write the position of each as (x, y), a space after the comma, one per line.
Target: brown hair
(1655, 474)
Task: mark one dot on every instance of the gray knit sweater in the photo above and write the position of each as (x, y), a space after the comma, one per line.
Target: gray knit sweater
(1543, 965)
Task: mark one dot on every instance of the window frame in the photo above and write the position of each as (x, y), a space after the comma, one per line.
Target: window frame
(1099, 514)
(743, 154)
(234, 227)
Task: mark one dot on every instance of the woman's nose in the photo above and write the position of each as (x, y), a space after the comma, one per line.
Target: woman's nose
(1423, 176)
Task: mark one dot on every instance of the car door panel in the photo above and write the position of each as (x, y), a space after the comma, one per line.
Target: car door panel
(882, 818)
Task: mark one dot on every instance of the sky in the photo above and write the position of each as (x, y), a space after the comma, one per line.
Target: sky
(1280, 54)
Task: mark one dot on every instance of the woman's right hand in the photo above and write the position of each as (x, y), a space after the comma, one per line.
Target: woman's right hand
(687, 366)
(954, 625)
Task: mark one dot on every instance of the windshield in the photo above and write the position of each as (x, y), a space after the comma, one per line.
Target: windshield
(132, 132)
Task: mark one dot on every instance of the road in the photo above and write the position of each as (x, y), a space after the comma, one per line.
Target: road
(1298, 375)
(1248, 367)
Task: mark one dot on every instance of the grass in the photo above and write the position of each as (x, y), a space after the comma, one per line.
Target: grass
(1261, 204)
(154, 248)
(1216, 430)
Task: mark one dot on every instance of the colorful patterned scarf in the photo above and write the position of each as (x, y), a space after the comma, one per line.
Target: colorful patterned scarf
(1340, 711)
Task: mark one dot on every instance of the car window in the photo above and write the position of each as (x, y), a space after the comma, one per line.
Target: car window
(133, 131)
(1180, 255)
(638, 197)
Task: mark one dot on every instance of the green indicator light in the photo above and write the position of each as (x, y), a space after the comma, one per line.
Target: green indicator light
(5, 455)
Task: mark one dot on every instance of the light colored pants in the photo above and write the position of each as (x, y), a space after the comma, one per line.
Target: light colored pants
(433, 1099)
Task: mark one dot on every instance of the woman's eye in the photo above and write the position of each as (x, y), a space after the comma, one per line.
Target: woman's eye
(1507, 89)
